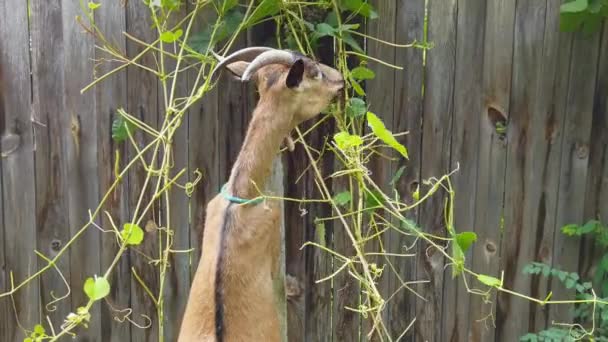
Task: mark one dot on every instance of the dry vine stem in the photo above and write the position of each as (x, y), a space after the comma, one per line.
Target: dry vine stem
(361, 223)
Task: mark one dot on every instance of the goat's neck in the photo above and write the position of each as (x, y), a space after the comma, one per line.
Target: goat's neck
(269, 126)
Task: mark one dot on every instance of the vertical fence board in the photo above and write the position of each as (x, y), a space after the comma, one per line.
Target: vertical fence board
(532, 160)
(51, 138)
(496, 86)
(111, 95)
(597, 178)
(142, 102)
(203, 149)
(295, 236)
(576, 140)
(437, 122)
(18, 177)
(319, 264)
(380, 94)
(177, 278)
(464, 154)
(407, 117)
(80, 150)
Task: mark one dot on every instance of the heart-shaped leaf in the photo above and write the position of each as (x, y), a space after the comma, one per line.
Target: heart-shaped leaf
(132, 234)
(96, 288)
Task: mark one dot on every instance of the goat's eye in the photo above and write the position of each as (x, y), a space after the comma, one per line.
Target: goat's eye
(319, 75)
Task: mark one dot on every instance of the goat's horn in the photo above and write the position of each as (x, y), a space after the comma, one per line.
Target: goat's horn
(267, 58)
(247, 54)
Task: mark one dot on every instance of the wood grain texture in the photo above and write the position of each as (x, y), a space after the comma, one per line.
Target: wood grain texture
(80, 153)
(597, 177)
(111, 94)
(17, 173)
(143, 103)
(203, 149)
(437, 124)
(407, 117)
(496, 89)
(380, 95)
(468, 104)
(177, 279)
(534, 135)
(51, 163)
(574, 163)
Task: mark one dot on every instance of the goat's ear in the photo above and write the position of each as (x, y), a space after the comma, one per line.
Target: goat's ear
(237, 68)
(296, 72)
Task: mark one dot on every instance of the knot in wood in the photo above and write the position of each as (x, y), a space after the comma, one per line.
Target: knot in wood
(582, 150)
(10, 143)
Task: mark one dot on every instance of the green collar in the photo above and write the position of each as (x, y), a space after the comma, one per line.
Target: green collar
(239, 200)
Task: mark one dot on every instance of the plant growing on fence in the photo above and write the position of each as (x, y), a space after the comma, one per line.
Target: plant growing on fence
(363, 209)
(590, 320)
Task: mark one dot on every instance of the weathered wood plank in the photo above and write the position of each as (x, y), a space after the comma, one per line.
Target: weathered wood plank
(50, 138)
(177, 279)
(576, 141)
(111, 95)
(437, 122)
(468, 103)
(142, 102)
(496, 87)
(534, 139)
(80, 153)
(319, 313)
(597, 177)
(17, 173)
(295, 236)
(380, 95)
(203, 149)
(407, 117)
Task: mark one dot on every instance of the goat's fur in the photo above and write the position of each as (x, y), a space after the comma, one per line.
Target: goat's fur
(232, 296)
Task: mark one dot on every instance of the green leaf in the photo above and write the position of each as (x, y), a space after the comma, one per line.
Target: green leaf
(324, 29)
(226, 5)
(348, 39)
(570, 229)
(384, 134)
(170, 37)
(344, 140)
(397, 176)
(93, 6)
(570, 283)
(363, 73)
(570, 22)
(97, 288)
(39, 329)
(465, 240)
(359, 7)
(357, 87)
(356, 107)
(373, 198)
(121, 128)
(132, 234)
(489, 280)
(231, 21)
(575, 6)
(590, 227)
(265, 9)
(343, 198)
(320, 232)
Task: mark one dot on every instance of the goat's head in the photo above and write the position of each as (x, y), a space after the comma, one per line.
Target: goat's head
(287, 78)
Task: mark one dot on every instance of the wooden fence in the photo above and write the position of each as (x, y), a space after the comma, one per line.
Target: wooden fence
(494, 63)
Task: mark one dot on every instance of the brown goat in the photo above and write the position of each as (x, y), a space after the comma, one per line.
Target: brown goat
(232, 296)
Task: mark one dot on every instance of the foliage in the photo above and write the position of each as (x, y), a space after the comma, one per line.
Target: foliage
(583, 14)
(590, 320)
(363, 209)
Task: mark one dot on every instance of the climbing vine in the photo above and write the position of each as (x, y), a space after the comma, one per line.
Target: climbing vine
(363, 209)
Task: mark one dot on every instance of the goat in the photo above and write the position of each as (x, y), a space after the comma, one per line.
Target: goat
(232, 296)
